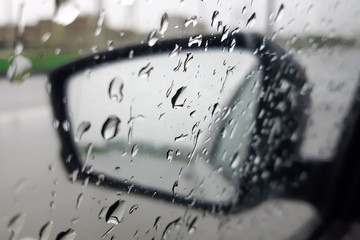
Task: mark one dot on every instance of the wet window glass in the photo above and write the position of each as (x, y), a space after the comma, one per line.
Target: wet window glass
(178, 119)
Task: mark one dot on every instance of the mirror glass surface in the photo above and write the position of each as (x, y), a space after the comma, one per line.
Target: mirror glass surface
(176, 124)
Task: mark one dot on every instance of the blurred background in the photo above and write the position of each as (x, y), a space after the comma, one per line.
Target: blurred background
(51, 32)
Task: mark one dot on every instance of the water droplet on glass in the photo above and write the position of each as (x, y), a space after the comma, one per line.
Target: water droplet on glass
(45, 37)
(191, 20)
(56, 123)
(175, 185)
(164, 23)
(75, 220)
(152, 38)
(133, 208)
(116, 89)
(236, 160)
(177, 66)
(101, 177)
(81, 129)
(232, 45)
(189, 57)
(66, 125)
(16, 225)
(251, 21)
(73, 175)
(195, 40)
(225, 33)
(69, 234)
(157, 223)
(19, 69)
(18, 48)
(192, 227)
(176, 51)
(111, 128)
(174, 100)
(100, 22)
(115, 212)
(219, 26)
(214, 18)
(243, 11)
(279, 13)
(170, 155)
(134, 150)
(79, 200)
(170, 226)
(66, 12)
(181, 137)
(45, 231)
(145, 71)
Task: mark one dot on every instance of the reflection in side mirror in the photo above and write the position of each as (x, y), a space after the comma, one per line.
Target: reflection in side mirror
(157, 130)
(177, 121)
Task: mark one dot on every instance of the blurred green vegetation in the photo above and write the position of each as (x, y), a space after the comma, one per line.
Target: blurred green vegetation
(41, 61)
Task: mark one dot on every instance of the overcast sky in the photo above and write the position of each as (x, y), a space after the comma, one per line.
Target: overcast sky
(299, 16)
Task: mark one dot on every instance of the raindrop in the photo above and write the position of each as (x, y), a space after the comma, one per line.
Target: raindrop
(175, 98)
(176, 51)
(164, 23)
(176, 184)
(145, 71)
(115, 212)
(87, 157)
(103, 212)
(100, 22)
(243, 11)
(191, 20)
(192, 226)
(170, 155)
(134, 150)
(66, 12)
(225, 33)
(82, 128)
(279, 13)
(45, 37)
(214, 18)
(116, 89)
(232, 45)
(110, 45)
(16, 224)
(18, 48)
(236, 160)
(79, 200)
(69, 234)
(45, 231)
(152, 38)
(157, 223)
(219, 26)
(66, 125)
(170, 89)
(177, 66)
(195, 40)
(101, 178)
(169, 227)
(189, 57)
(111, 128)
(73, 175)
(181, 137)
(251, 21)
(75, 220)
(133, 208)
(19, 69)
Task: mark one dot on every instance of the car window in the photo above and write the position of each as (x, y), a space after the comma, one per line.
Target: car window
(184, 121)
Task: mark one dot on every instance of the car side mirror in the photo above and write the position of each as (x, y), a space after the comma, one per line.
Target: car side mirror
(206, 122)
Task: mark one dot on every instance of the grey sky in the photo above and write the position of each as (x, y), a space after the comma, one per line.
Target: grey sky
(337, 18)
